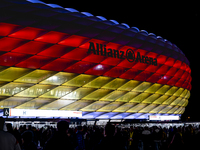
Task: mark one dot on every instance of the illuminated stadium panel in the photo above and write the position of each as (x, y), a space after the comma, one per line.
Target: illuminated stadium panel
(89, 64)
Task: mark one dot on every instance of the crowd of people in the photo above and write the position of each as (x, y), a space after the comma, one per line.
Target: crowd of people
(102, 138)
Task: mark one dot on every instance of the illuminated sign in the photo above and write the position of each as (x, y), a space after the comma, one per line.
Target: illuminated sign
(101, 49)
(44, 113)
(164, 117)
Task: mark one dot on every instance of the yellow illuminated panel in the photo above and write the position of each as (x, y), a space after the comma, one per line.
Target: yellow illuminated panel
(169, 100)
(127, 97)
(35, 103)
(153, 88)
(78, 93)
(13, 88)
(55, 105)
(176, 101)
(187, 96)
(12, 102)
(181, 102)
(161, 99)
(98, 94)
(58, 92)
(178, 110)
(113, 96)
(151, 98)
(124, 107)
(35, 90)
(166, 109)
(98, 82)
(115, 84)
(163, 89)
(157, 109)
(59, 78)
(80, 80)
(77, 105)
(148, 108)
(110, 107)
(137, 108)
(171, 91)
(178, 92)
(13, 73)
(140, 97)
(185, 103)
(142, 87)
(36, 76)
(184, 93)
(182, 110)
(129, 85)
(95, 106)
(171, 111)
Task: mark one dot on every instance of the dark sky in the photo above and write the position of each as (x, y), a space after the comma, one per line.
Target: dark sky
(177, 22)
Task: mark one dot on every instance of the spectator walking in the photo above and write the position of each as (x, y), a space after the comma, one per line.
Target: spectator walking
(60, 140)
(7, 140)
(80, 139)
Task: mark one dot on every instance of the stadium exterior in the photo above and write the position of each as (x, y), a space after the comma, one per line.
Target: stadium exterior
(55, 58)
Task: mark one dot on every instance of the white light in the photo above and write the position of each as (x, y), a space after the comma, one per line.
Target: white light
(99, 67)
(44, 113)
(164, 117)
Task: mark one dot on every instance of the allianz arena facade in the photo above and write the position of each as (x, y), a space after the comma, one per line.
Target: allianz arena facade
(55, 58)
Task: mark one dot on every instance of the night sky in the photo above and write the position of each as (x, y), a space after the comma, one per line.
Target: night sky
(177, 22)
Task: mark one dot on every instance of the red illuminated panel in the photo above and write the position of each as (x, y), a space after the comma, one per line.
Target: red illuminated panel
(154, 78)
(74, 41)
(177, 64)
(115, 72)
(185, 75)
(35, 62)
(152, 54)
(59, 64)
(179, 73)
(76, 54)
(143, 76)
(32, 47)
(188, 69)
(10, 59)
(164, 79)
(8, 44)
(180, 83)
(99, 69)
(172, 81)
(28, 33)
(112, 61)
(52, 37)
(186, 85)
(183, 66)
(94, 58)
(171, 71)
(56, 51)
(140, 66)
(170, 61)
(152, 68)
(80, 67)
(161, 59)
(142, 52)
(125, 63)
(163, 69)
(130, 74)
(6, 29)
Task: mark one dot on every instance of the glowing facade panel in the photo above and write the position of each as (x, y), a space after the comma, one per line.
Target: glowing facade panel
(107, 69)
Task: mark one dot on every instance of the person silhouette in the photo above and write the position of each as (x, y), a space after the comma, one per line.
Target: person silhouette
(7, 140)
